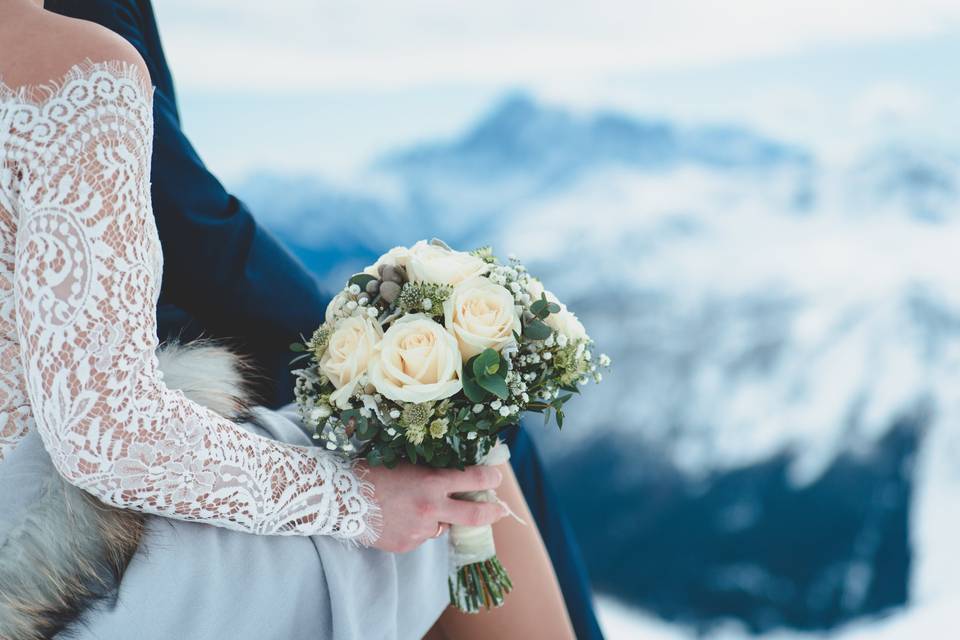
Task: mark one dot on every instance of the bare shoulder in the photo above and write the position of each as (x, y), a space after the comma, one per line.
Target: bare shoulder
(43, 46)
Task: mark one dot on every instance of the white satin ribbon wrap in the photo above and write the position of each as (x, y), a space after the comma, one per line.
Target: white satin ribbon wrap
(475, 544)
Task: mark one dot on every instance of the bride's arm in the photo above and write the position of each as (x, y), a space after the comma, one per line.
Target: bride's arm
(87, 276)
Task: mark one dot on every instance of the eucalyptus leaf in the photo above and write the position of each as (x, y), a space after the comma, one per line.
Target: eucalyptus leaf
(486, 363)
(495, 385)
(473, 391)
(537, 330)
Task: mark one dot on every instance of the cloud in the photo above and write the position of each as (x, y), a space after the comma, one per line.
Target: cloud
(377, 44)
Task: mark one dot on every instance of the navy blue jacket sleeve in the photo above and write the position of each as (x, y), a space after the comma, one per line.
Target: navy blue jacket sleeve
(229, 276)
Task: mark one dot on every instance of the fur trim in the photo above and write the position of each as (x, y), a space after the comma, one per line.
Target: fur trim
(71, 550)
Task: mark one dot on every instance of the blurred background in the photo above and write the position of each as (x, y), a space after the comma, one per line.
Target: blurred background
(755, 208)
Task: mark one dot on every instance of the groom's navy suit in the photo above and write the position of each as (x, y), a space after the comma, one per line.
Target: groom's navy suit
(226, 277)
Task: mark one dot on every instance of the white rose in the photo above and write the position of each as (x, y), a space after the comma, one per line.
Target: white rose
(482, 315)
(566, 323)
(432, 263)
(348, 355)
(535, 289)
(396, 257)
(417, 361)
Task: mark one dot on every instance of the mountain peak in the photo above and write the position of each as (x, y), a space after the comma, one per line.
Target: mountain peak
(521, 134)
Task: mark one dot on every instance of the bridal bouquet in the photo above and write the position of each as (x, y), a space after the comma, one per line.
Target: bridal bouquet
(429, 354)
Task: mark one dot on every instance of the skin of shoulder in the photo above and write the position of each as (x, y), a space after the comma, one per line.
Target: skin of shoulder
(42, 46)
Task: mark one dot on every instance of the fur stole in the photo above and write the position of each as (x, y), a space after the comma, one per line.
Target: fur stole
(68, 549)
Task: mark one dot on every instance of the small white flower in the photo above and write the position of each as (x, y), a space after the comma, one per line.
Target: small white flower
(588, 356)
(395, 413)
(351, 305)
(331, 446)
(515, 287)
(372, 312)
(472, 435)
(549, 342)
(562, 340)
(366, 413)
(354, 289)
(319, 413)
(495, 404)
(525, 397)
(478, 408)
(604, 360)
(427, 304)
(316, 436)
(547, 355)
(391, 432)
(598, 377)
(584, 380)
(504, 411)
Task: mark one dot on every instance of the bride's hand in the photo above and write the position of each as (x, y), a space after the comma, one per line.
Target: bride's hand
(415, 501)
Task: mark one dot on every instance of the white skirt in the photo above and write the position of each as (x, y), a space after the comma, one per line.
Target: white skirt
(193, 581)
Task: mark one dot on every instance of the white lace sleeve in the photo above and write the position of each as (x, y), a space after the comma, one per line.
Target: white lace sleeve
(87, 275)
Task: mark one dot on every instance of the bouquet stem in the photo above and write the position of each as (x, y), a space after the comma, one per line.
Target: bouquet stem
(477, 578)
(481, 584)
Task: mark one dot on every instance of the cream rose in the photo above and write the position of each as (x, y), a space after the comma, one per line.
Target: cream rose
(417, 361)
(396, 257)
(428, 262)
(535, 289)
(565, 321)
(482, 315)
(348, 355)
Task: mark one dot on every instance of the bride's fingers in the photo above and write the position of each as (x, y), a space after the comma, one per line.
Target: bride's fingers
(478, 478)
(472, 514)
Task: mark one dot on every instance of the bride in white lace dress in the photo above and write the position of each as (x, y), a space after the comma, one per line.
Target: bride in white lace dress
(80, 271)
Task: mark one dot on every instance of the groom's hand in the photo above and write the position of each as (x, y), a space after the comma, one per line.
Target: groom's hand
(415, 502)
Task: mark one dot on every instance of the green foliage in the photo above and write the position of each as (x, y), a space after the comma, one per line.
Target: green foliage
(484, 375)
(536, 330)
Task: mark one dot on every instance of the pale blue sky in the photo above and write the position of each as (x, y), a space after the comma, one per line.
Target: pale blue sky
(321, 87)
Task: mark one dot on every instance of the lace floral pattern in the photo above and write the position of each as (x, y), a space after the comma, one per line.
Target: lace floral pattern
(80, 271)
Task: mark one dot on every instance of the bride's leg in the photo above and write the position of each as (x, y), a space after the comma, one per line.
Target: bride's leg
(535, 608)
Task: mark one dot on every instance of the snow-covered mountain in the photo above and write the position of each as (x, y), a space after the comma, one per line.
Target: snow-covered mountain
(776, 446)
